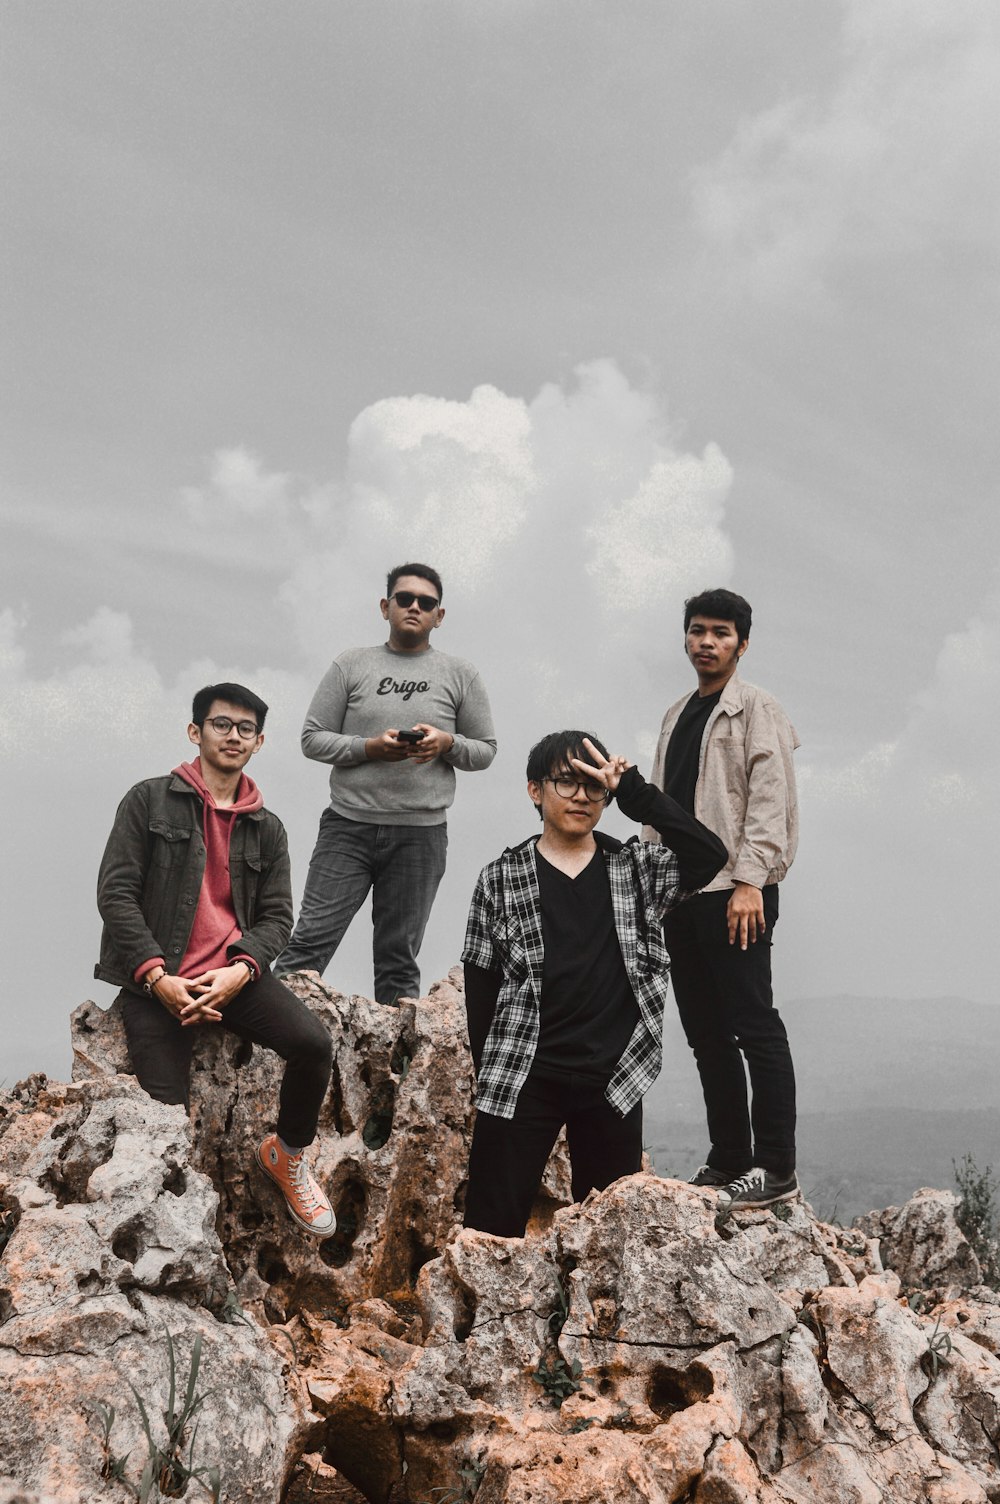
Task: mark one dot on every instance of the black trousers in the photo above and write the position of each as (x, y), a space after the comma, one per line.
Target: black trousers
(509, 1155)
(724, 999)
(264, 1012)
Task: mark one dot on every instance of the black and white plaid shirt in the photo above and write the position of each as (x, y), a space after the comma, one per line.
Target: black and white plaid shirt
(504, 934)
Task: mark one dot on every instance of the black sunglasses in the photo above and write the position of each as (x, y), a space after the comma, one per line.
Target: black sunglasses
(406, 598)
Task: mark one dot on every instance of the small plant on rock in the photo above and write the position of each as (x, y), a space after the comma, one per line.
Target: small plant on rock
(557, 1378)
(465, 1490)
(166, 1473)
(978, 1216)
(232, 1311)
(112, 1466)
(938, 1350)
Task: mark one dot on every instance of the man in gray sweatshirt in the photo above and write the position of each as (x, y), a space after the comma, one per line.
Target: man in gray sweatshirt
(394, 722)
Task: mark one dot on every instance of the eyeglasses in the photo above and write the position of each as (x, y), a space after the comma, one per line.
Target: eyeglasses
(406, 598)
(223, 725)
(567, 787)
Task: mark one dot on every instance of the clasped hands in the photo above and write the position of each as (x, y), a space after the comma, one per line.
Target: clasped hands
(200, 999)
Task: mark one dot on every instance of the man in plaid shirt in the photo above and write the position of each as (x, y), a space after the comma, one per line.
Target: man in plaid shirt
(566, 978)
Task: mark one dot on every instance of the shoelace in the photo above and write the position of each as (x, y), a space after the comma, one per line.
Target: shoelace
(753, 1180)
(303, 1183)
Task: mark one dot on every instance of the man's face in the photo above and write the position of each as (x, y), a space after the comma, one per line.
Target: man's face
(572, 815)
(411, 625)
(226, 751)
(714, 648)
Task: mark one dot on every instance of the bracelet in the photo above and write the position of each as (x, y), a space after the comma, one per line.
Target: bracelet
(149, 987)
(242, 961)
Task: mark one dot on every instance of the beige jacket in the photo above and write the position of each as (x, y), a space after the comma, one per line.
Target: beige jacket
(746, 783)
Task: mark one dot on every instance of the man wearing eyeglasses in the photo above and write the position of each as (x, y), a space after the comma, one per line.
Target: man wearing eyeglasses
(394, 722)
(196, 898)
(566, 978)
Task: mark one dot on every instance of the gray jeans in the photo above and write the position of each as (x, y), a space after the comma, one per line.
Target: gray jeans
(401, 865)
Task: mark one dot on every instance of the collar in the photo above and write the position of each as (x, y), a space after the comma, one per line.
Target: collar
(179, 785)
(524, 849)
(731, 699)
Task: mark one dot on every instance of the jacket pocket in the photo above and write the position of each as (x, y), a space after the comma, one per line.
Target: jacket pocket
(170, 843)
(510, 948)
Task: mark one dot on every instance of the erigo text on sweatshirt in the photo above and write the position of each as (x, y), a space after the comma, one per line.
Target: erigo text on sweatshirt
(366, 691)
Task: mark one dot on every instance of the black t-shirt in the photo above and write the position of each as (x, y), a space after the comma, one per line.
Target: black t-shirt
(588, 1010)
(680, 772)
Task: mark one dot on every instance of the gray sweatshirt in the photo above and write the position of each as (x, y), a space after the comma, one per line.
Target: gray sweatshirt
(367, 690)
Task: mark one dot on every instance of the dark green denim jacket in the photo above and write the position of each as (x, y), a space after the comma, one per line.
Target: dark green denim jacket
(151, 876)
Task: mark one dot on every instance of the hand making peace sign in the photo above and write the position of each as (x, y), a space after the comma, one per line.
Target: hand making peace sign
(608, 770)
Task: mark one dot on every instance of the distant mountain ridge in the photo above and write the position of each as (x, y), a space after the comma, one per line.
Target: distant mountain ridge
(890, 1092)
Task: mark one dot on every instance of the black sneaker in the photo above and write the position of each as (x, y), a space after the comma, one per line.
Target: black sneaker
(706, 1176)
(758, 1187)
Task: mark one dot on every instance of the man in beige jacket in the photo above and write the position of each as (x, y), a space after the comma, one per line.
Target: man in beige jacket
(725, 755)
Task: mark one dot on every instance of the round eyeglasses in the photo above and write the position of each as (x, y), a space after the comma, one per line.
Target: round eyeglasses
(567, 787)
(223, 725)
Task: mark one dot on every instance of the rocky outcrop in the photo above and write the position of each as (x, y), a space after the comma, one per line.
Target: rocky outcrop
(13, 1493)
(114, 1291)
(635, 1348)
(923, 1242)
(392, 1147)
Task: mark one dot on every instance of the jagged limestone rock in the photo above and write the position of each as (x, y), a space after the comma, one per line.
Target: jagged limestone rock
(13, 1493)
(670, 1369)
(635, 1348)
(112, 1263)
(923, 1242)
(391, 1150)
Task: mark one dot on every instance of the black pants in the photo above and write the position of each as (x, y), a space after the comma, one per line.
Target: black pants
(725, 1004)
(266, 1013)
(509, 1155)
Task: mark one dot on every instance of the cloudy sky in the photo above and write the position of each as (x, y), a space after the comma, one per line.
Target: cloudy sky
(590, 305)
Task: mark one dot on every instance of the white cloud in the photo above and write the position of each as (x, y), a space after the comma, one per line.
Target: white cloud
(859, 783)
(553, 519)
(11, 652)
(667, 535)
(110, 697)
(106, 637)
(541, 515)
(891, 160)
(450, 482)
(905, 835)
(255, 517)
(945, 752)
(238, 482)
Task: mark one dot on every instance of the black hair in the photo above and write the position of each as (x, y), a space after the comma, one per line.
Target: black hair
(554, 751)
(233, 694)
(423, 570)
(723, 605)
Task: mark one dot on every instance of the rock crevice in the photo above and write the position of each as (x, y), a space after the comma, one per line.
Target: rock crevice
(629, 1349)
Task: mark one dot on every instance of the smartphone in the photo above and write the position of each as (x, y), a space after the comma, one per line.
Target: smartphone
(410, 736)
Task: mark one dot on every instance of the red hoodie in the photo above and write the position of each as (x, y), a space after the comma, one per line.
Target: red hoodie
(215, 927)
